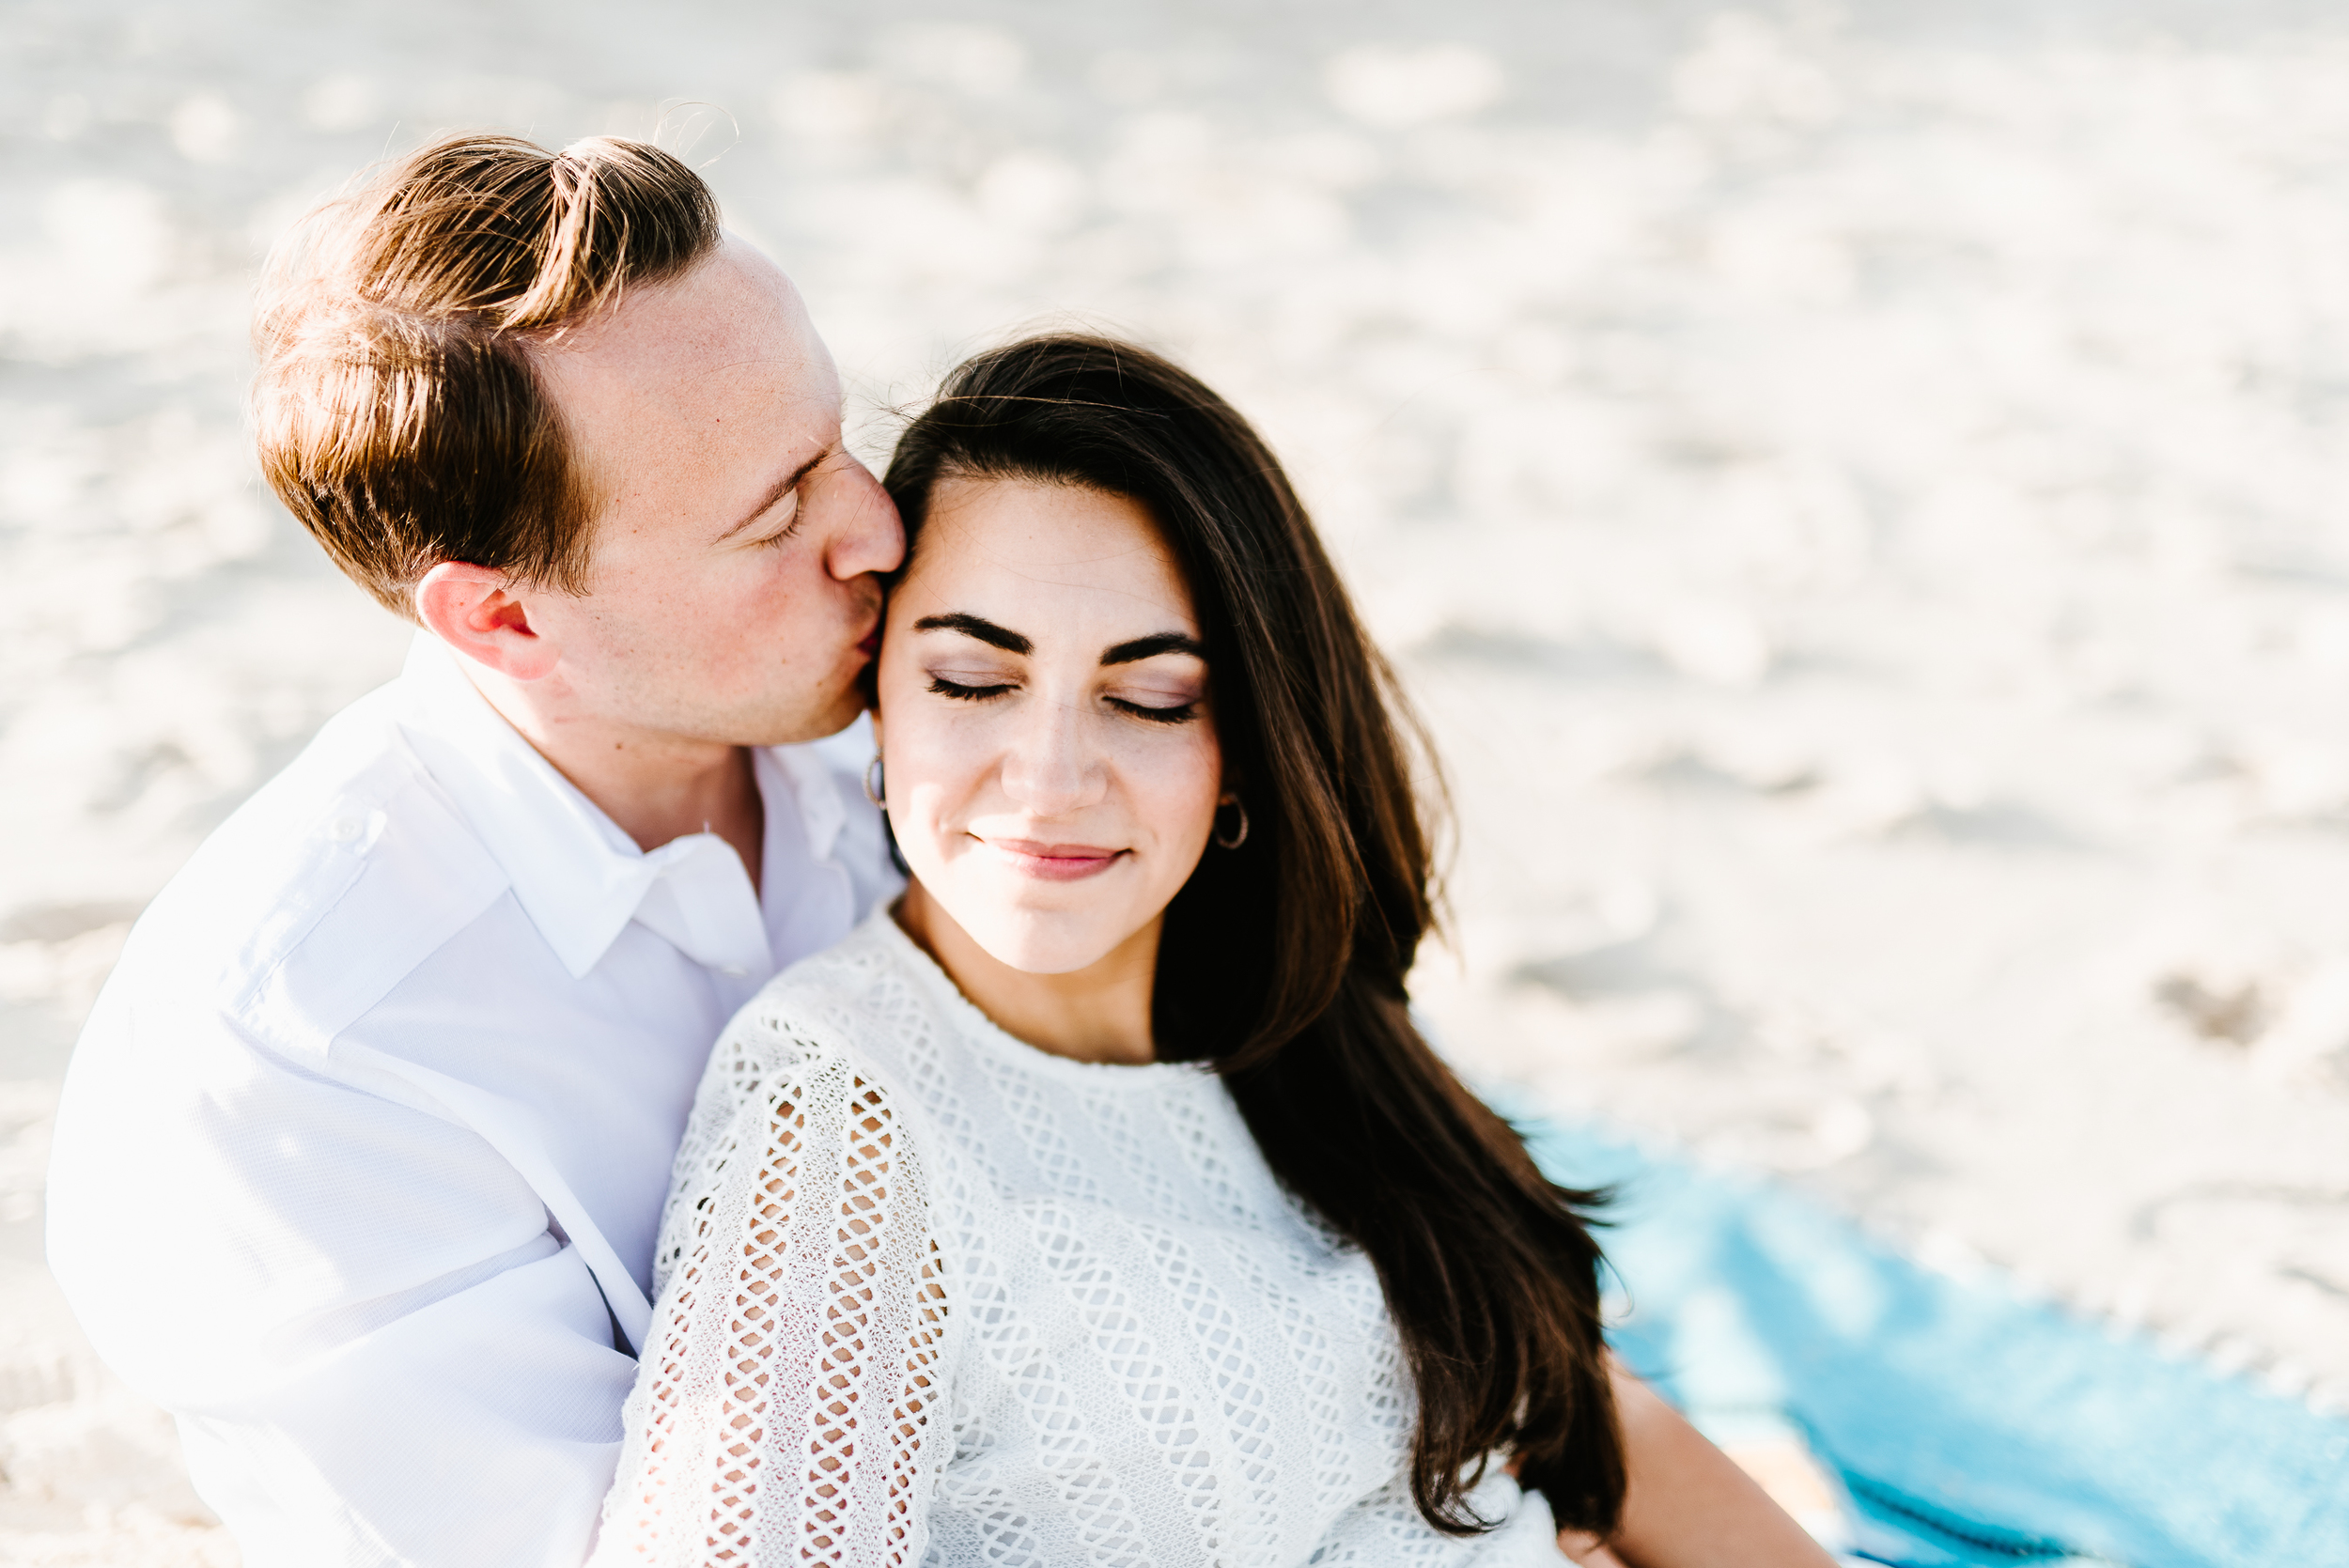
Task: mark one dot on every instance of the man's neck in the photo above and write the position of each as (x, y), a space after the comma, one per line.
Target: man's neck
(655, 787)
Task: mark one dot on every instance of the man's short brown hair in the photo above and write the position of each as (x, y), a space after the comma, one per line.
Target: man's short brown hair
(397, 409)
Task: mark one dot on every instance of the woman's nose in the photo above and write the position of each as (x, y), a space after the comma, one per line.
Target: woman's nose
(1049, 769)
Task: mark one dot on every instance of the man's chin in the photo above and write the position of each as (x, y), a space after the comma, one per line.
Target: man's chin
(808, 723)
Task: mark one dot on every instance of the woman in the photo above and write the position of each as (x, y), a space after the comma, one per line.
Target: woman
(1102, 1203)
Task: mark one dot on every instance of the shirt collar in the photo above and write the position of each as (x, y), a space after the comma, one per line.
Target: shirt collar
(800, 774)
(577, 876)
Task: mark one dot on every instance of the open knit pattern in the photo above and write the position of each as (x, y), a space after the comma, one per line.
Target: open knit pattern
(928, 1294)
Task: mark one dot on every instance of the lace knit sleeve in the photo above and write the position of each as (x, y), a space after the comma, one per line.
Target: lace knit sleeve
(791, 1406)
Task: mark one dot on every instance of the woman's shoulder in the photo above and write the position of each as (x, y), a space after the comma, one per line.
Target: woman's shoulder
(818, 1038)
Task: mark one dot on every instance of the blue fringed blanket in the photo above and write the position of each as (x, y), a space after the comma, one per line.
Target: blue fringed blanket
(1969, 1426)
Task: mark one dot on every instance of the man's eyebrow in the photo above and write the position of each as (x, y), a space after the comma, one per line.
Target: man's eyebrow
(783, 487)
(1151, 647)
(975, 626)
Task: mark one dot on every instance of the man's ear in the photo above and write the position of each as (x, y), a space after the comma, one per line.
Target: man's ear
(478, 612)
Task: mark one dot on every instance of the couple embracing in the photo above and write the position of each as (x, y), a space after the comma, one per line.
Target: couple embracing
(609, 1099)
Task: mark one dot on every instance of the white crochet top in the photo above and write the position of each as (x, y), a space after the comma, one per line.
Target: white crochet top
(928, 1294)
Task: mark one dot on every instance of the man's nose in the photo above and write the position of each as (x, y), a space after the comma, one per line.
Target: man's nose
(864, 533)
(1049, 769)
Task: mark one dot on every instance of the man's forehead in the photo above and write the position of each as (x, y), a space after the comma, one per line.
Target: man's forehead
(733, 319)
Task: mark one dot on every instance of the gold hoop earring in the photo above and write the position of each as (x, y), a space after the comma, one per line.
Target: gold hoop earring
(1239, 835)
(876, 783)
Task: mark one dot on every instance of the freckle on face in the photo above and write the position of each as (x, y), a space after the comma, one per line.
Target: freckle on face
(1062, 763)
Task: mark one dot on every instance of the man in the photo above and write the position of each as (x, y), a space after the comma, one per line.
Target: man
(362, 1156)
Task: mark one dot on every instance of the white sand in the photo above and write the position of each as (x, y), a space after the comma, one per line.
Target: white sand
(1860, 502)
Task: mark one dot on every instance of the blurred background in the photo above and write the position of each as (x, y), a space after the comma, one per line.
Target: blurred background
(1857, 488)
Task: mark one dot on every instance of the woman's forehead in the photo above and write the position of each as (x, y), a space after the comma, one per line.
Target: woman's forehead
(1053, 550)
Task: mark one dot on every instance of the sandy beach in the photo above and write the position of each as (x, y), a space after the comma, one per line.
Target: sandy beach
(1858, 492)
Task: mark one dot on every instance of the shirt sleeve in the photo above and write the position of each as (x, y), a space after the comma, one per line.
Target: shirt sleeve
(377, 1349)
(792, 1401)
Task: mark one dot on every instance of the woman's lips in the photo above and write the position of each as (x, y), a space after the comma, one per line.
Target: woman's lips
(1054, 862)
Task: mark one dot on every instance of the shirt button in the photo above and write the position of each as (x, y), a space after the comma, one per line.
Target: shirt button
(344, 829)
(734, 972)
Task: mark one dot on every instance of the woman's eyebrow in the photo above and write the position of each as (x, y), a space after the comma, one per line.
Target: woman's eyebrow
(984, 631)
(1151, 647)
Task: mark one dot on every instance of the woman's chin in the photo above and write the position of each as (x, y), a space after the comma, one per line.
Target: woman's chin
(1054, 944)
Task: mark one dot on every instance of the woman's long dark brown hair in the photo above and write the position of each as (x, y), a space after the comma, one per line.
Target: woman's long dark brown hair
(1284, 960)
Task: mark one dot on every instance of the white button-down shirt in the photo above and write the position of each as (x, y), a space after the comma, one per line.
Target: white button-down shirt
(362, 1156)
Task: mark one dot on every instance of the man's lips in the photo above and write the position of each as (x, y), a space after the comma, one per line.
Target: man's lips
(869, 644)
(1055, 863)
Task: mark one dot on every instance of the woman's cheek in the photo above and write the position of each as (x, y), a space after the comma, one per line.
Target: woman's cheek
(1180, 777)
(929, 773)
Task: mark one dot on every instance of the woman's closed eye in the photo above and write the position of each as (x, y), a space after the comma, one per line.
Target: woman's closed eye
(1158, 708)
(969, 688)
(1167, 695)
(975, 685)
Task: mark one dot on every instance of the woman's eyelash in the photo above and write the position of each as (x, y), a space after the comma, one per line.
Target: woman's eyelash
(960, 692)
(782, 533)
(1183, 714)
(945, 688)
